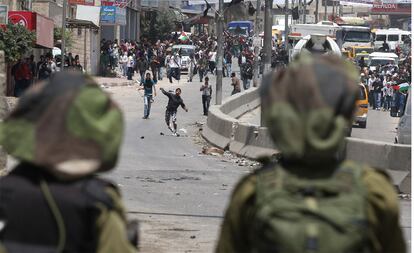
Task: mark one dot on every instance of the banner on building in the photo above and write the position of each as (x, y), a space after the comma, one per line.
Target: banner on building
(112, 15)
(88, 13)
(3, 14)
(117, 3)
(82, 2)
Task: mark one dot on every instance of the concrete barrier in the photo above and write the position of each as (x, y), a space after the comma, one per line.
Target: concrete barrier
(252, 141)
(394, 158)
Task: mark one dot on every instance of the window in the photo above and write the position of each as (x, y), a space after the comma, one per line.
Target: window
(354, 36)
(380, 37)
(393, 37)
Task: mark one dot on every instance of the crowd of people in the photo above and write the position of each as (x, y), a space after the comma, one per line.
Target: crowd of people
(388, 85)
(130, 57)
(27, 71)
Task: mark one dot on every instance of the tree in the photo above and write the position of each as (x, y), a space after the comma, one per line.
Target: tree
(57, 37)
(15, 41)
(158, 25)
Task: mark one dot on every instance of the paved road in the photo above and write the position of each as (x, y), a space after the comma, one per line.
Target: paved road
(178, 194)
(380, 125)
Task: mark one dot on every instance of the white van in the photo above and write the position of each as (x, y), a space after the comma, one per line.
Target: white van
(392, 36)
(404, 125)
(185, 51)
(379, 59)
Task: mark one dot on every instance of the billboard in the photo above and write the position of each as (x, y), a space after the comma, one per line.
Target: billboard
(89, 13)
(3, 14)
(108, 15)
(112, 15)
(117, 3)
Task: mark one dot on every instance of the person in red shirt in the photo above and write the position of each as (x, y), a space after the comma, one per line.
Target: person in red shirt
(22, 76)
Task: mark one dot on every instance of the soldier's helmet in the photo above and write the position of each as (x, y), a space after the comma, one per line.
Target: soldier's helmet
(309, 105)
(66, 125)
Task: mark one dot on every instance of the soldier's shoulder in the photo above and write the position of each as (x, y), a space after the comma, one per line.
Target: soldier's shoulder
(246, 187)
(101, 190)
(381, 192)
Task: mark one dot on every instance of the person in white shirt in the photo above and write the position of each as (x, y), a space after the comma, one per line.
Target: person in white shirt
(371, 90)
(130, 66)
(124, 62)
(174, 63)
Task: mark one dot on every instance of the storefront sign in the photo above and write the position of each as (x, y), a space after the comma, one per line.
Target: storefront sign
(24, 18)
(112, 15)
(387, 8)
(3, 14)
(117, 3)
(42, 26)
(82, 2)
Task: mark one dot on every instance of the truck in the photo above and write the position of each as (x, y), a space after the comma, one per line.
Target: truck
(243, 28)
(321, 28)
(351, 36)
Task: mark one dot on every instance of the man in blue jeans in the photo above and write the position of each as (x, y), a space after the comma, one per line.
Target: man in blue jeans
(149, 87)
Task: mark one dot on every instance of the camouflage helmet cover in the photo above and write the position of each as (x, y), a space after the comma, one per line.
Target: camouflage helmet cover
(308, 106)
(66, 125)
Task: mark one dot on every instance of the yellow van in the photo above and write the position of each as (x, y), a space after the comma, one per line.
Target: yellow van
(361, 113)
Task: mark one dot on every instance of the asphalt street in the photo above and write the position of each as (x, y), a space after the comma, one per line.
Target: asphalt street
(178, 194)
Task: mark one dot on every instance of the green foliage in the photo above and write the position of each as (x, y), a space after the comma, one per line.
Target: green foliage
(159, 26)
(57, 36)
(15, 41)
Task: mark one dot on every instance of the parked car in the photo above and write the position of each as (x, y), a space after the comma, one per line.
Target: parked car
(404, 125)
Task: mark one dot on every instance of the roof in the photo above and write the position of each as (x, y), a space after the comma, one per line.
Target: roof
(77, 23)
(383, 55)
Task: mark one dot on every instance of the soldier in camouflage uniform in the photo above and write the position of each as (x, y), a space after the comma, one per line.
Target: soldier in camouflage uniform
(312, 200)
(63, 132)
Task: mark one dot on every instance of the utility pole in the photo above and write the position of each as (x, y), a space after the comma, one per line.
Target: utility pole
(62, 61)
(220, 52)
(325, 17)
(268, 36)
(286, 24)
(304, 11)
(317, 12)
(256, 47)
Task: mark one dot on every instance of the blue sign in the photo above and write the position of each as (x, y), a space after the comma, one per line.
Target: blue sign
(108, 14)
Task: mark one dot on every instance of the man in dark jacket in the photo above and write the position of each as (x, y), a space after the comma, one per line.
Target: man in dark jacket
(174, 101)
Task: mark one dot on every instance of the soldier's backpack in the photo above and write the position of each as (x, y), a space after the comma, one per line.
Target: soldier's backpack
(295, 214)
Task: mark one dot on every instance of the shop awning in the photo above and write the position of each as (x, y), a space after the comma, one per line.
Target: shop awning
(42, 26)
(76, 23)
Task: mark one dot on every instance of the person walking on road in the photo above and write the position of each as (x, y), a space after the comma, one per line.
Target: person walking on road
(53, 201)
(235, 82)
(174, 101)
(206, 92)
(149, 91)
(312, 199)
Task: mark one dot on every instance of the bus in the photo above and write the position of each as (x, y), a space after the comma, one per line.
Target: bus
(392, 36)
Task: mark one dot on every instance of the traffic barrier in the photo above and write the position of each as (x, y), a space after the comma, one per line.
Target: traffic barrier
(252, 141)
